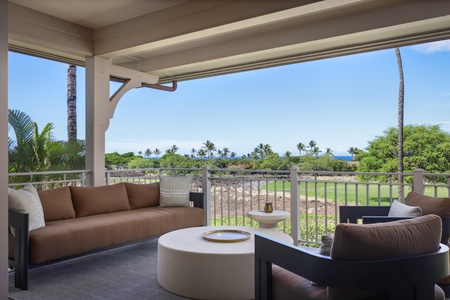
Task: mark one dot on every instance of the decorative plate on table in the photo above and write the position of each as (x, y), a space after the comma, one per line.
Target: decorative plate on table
(226, 236)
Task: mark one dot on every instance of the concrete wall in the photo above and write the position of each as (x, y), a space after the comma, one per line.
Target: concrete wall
(3, 149)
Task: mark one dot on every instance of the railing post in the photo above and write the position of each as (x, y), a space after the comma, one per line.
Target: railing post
(295, 204)
(206, 189)
(108, 178)
(418, 181)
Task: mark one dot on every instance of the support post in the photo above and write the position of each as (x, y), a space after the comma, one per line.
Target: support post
(295, 204)
(206, 189)
(418, 181)
(100, 109)
(4, 149)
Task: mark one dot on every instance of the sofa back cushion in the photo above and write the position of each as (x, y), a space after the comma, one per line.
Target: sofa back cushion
(100, 199)
(415, 236)
(57, 204)
(142, 195)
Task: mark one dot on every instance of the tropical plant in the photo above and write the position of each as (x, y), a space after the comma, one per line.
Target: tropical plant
(157, 152)
(426, 147)
(352, 151)
(210, 147)
(34, 151)
(148, 152)
(300, 148)
(71, 103)
(401, 103)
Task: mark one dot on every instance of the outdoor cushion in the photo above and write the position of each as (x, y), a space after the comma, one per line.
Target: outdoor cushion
(57, 204)
(429, 205)
(375, 241)
(98, 200)
(142, 195)
(415, 236)
(26, 200)
(174, 191)
(399, 209)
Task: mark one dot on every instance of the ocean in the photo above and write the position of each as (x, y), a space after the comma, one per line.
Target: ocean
(343, 157)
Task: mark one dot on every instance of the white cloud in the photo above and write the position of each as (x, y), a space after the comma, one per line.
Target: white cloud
(439, 46)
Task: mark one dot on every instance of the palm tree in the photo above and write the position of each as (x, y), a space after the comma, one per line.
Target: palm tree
(72, 102)
(233, 155)
(220, 153)
(353, 151)
(193, 152)
(210, 147)
(401, 103)
(225, 151)
(287, 154)
(312, 144)
(201, 153)
(148, 152)
(34, 151)
(157, 152)
(267, 149)
(301, 147)
(140, 153)
(328, 152)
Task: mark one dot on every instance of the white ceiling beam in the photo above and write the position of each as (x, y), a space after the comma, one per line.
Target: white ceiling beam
(46, 33)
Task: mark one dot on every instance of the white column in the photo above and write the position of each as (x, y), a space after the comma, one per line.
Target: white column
(3, 149)
(97, 121)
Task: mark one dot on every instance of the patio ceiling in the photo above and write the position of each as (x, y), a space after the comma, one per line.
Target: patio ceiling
(187, 39)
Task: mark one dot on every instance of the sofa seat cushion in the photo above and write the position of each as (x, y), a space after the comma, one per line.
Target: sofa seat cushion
(69, 237)
(142, 195)
(99, 200)
(57, 204)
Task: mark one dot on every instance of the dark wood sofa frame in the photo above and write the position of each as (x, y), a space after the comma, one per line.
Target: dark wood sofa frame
(377, 214)
(393, 275)
(20, 263)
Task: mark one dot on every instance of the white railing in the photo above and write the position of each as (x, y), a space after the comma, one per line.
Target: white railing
(230, 194)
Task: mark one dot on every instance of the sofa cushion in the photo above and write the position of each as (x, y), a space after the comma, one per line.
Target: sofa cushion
(374, 241)
(399, 209)
(57, 204)
(142, 195)
(429, 205)
(99, 200)
(174, 191)
(26, 200)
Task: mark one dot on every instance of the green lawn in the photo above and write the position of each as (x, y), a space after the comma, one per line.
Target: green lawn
(361, 192)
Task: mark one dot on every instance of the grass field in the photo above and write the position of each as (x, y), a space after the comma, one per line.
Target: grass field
(372, 194)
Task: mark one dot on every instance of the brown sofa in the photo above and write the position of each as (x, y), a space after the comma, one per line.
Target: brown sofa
(80, 220)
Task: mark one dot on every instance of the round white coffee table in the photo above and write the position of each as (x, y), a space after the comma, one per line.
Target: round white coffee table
(268, 220)
(190, 266)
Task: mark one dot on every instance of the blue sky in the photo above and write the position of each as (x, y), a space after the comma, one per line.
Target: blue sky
(339, 103)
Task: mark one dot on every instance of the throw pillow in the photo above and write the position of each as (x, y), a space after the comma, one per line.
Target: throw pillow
(57, 204)
(26, 200)
(174, 191)
(399, 209)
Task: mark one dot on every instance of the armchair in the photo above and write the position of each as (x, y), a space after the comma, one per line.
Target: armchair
(363, 264)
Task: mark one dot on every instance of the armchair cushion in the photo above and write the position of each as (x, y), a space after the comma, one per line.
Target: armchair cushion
(387, 240)
(429, 205)
(399, 209)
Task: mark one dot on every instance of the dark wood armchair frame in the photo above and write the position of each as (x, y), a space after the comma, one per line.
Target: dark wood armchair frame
(408, 278)
(378, 214)
(20, 261)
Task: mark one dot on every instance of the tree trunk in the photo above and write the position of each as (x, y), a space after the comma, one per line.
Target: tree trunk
(72, 102)
(401, 102)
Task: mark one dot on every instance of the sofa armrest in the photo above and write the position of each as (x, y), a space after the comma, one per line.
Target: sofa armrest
(351, 214)
(197, 199)
(393, 274)
(21, 248)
